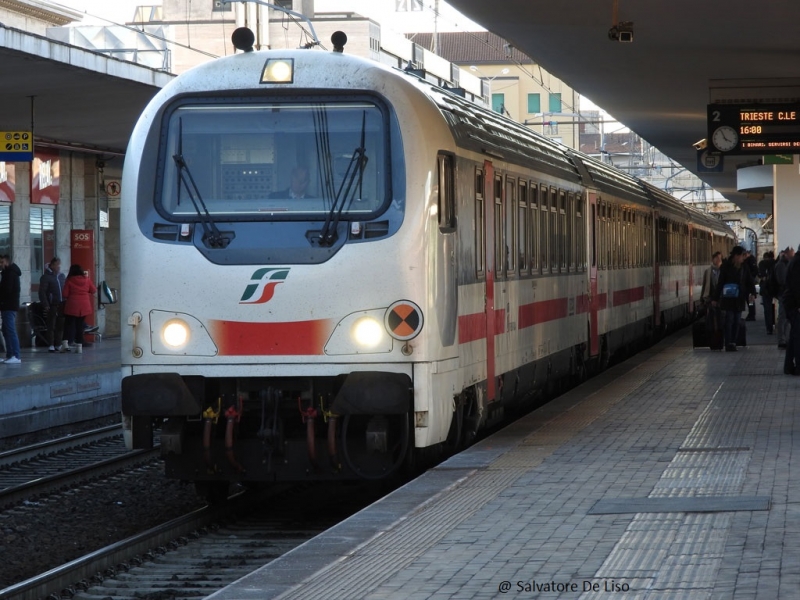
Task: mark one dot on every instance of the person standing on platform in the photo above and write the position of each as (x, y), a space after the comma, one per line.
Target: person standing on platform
(50, 298)
(711, 279)
(736, 287)
(77, 294)
(710, 284)
(765, 269)
(791, 303)
(751, 265)
(781, 266)
(9, 305)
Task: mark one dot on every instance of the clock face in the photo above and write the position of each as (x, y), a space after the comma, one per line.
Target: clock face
(725, 138)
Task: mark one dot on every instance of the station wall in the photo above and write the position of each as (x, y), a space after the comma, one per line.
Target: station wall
(42, 202)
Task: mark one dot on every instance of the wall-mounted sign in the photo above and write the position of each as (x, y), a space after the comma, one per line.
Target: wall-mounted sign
(45, 177)
(7, 182)
(16, 146)
(754, 128)
(709, 162)
(113, 188)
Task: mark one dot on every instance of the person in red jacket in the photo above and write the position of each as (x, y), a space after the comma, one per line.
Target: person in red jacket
(77, 294)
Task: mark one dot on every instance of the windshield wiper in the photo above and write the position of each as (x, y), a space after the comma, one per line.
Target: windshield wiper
(347, 189)
(211, 233)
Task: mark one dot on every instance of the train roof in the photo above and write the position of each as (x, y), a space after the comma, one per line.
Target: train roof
(489, 132)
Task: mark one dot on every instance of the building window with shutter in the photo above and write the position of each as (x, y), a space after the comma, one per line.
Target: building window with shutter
(498, 103)
(534, 103)
(555, 103)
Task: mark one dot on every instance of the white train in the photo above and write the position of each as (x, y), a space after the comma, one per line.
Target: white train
(440, 264)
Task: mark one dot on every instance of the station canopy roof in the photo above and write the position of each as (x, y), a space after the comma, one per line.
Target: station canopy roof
(659, 84)
(71, 96)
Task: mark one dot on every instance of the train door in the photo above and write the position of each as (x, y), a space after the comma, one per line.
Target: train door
(446, 286)
(657, 252)
(692, 245)
(489, 262)
(594, 300)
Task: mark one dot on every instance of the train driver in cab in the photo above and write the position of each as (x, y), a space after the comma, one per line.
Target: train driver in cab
(298, 188)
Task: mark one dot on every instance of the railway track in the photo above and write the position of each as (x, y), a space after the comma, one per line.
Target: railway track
(58, 464)
(199, 553)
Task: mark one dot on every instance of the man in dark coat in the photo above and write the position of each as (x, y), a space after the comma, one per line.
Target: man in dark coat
(9, 305)
(50, 299)
(765, 269)
(751, 265)
(736, 286)
(791, 302)
(781, 266)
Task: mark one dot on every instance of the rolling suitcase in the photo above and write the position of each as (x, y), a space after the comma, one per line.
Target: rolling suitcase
(699, 334)
(714, 324)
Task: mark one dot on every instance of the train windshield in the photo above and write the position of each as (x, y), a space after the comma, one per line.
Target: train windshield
(276, 160)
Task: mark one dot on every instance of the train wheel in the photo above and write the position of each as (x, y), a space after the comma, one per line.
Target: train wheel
(375, 446)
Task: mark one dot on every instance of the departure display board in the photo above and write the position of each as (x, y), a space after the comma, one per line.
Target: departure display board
(754, 128)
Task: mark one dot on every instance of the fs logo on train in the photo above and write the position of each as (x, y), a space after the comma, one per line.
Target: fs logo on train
(262, 285)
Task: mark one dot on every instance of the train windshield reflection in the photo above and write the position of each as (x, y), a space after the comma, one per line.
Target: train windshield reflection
(283, 159)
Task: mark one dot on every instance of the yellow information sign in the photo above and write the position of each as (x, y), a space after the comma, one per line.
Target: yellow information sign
(16, 146)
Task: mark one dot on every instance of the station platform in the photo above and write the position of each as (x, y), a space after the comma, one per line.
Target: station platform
(53, 389)
(675, 474)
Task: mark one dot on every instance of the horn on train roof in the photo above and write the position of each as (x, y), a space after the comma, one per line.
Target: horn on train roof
(243, 39)
(338, 39)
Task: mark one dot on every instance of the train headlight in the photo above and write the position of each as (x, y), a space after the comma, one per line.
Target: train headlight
(359, 332)
(367, 332)
(175, 333)
(179, 334)
(278, 70)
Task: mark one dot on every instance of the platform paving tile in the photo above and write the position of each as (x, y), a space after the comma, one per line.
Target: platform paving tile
(677, 423)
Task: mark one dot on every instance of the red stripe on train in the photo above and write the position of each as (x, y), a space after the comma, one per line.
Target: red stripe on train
(237, 338)
(628, 296)
(541, 312)
(473, 327)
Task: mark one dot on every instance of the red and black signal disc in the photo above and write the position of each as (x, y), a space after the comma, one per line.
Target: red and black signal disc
(403, 320)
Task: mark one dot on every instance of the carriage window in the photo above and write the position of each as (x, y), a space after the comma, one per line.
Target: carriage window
(499, 229)
(522, 227)
(534, 228)
(623, 239)
(544, 219)
(555, 241)
(580, 234)
(562, 230)
(602, 224)
(447, 194)
(511, 230)
(571, 232)
(480, 230)
(275, 159)
(614, 238)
